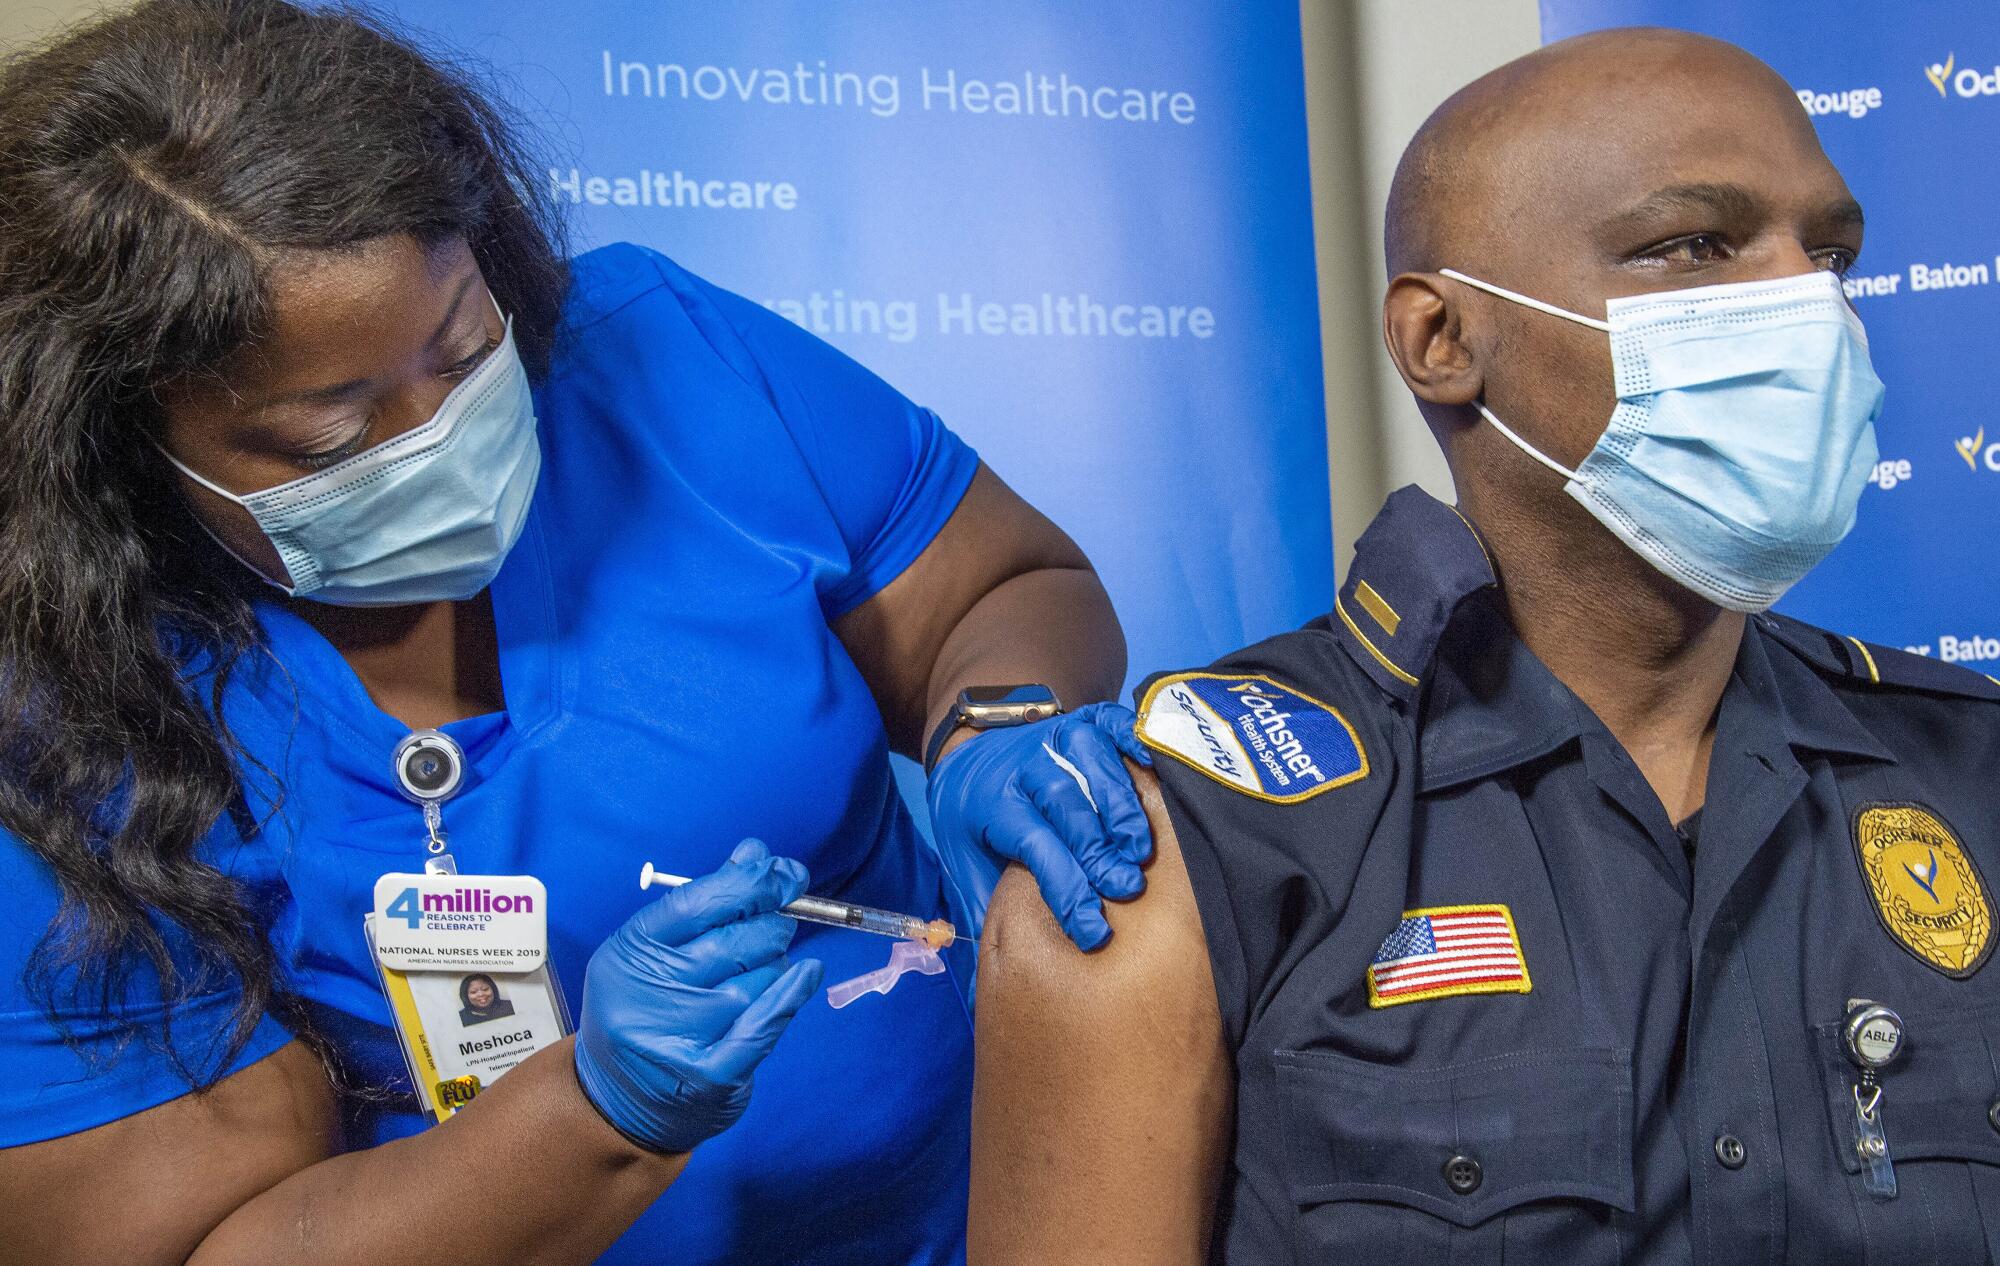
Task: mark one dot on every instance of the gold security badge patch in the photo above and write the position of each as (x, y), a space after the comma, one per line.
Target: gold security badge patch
(1927, 892)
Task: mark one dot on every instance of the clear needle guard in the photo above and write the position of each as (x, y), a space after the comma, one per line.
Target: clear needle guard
(907, 956)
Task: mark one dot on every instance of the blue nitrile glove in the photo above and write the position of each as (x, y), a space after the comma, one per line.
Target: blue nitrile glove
(683, 1002)
(1017, 794)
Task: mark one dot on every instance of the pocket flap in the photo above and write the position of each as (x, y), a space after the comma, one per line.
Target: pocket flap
(1939, 1098)
(1538, 1125)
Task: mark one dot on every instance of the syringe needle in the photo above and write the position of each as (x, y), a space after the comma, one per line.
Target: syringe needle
(936, 933)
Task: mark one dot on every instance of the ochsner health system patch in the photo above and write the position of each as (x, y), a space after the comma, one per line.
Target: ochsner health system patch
(1252, 734)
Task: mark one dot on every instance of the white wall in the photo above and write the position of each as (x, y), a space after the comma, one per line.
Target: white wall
(1374, 70)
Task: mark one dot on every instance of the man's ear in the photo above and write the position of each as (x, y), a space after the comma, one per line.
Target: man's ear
(1420, 326)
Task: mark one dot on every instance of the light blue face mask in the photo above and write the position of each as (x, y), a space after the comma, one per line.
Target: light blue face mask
(424, 517)
(1744, 432)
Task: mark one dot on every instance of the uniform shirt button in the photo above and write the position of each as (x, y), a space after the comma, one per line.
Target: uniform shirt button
(1993, 1114)
(1730, 1151)
(1462, 1175)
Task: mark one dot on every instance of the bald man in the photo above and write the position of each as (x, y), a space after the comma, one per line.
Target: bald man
(1548, 901)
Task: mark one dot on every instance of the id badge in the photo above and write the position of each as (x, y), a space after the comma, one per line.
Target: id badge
(463, 958)
(461, 1029)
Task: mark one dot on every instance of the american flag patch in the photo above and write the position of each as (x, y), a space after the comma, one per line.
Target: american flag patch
(1448, 950)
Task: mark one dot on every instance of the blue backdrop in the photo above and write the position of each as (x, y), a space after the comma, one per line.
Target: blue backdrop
(1080, 232)
(1907, 102)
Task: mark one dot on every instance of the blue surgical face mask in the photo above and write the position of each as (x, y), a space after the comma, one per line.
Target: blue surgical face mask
(1744, 432)
(424, 517)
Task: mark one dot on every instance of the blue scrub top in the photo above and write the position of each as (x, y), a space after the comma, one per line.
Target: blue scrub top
(717, 485)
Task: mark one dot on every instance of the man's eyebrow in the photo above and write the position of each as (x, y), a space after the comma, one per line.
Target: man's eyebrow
(1728, 201)
(1844, 214)
(340, 390)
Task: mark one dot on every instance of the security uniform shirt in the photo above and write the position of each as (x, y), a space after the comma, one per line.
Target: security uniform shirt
(1486, 1005)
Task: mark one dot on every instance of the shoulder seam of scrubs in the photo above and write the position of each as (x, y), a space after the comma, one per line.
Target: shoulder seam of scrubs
(612, 296)
(753, 374)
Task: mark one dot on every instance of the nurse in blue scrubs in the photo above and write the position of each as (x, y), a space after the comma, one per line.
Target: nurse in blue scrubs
(308, 440)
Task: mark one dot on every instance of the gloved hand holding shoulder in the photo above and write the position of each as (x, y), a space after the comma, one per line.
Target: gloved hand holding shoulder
(1055, 797)
(683, 1002)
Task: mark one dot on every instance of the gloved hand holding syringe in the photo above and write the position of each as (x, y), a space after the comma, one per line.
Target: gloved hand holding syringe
(921, 938)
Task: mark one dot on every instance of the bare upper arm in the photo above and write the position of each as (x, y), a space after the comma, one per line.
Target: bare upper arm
(147, 1189)
(1103, 1088)
(895, 637)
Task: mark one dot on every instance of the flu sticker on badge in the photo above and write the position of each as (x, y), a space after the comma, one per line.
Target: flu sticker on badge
(461, 922)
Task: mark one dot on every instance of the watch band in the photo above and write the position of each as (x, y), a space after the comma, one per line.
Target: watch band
(945, 729)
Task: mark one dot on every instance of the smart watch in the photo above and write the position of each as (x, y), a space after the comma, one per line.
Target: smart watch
(992, 708)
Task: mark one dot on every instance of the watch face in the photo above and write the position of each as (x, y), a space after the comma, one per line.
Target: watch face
(1007, 696)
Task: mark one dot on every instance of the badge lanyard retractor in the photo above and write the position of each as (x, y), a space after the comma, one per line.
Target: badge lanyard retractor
(1873, 1037)
(429, 767)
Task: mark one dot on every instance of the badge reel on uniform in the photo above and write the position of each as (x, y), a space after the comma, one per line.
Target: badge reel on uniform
(1872, 1036)
(463, 958)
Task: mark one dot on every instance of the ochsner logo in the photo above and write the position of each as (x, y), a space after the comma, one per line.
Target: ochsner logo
(1964, 83)
(1977, 452)
(1940, 72)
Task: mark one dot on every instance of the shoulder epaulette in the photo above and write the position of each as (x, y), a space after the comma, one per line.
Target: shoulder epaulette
(1839, 655)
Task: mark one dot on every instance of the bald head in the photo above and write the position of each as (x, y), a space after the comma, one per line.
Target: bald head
(1537, 127)
(1619, 163)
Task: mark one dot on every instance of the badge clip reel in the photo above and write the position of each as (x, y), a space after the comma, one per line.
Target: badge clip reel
(429, 768)
(1872, 1037)
(463, 959)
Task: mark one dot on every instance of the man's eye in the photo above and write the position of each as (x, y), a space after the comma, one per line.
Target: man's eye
(1695, 248)
(1836, 260)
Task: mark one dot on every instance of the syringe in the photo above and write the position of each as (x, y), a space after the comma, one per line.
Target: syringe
(840, 914)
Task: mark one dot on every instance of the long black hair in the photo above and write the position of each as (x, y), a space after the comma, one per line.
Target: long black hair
(155, 168)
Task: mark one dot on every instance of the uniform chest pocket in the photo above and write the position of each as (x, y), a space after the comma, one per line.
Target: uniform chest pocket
(1525, 1154)
(1940, 1114)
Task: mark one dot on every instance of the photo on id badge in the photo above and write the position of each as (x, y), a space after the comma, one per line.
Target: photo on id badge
(481, 1024)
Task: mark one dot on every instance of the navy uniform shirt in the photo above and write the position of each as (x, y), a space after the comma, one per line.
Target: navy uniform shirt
(1487, 1005)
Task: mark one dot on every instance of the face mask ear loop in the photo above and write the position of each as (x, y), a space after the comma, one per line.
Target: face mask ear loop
(202, 523)
(1523, 445)
(1525, 301)
(195, 475)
